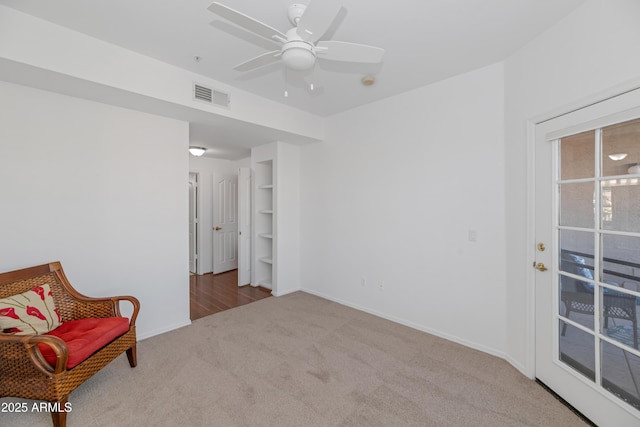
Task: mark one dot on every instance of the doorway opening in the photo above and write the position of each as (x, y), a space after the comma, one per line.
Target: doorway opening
(220, 236)
(213, 293)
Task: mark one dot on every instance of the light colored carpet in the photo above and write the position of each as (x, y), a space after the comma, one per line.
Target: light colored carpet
(299, 360)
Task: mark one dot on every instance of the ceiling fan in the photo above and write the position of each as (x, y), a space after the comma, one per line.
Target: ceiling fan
(301, 46)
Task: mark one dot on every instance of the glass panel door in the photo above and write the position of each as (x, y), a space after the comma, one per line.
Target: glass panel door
(598, 257)
(587, 258)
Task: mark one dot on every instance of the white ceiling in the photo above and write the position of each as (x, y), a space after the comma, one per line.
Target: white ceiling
(425, 40)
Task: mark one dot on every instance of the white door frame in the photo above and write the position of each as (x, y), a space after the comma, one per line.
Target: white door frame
(245, 227)
(197, 223)
(529, 367)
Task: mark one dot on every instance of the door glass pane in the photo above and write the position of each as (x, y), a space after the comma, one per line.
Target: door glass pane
(620, 314)
(577, 156)
(621, 205)
(621, 373)
(576, 204)
(576, 252)
(576, 301)
(577, 350)
(621, 261)
(620, 148)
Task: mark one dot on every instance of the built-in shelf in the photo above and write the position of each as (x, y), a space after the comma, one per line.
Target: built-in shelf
(263, 227)
(275, 238)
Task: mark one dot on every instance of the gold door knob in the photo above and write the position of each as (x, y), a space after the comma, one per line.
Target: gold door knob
(217, 228)
(540, 266)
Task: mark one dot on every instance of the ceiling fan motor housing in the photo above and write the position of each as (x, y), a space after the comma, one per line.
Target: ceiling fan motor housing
(295, 13)
(296, 53)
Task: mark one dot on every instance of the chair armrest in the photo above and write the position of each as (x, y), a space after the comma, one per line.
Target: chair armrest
(113, 304)
(134, 302)
(30, 345)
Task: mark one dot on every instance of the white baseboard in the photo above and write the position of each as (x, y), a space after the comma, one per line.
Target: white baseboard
(422, 328)
(154, 332)
(520, 367)
(290, 291)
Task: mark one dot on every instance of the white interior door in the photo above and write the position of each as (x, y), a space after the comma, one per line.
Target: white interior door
(225, 222)
(588, 259)
(244, 226)
(193, 223)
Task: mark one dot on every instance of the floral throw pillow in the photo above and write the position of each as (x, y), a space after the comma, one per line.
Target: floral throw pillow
(32, 312)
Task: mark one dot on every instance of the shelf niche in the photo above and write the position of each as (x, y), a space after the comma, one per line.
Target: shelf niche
(276, 217)
(264, 223)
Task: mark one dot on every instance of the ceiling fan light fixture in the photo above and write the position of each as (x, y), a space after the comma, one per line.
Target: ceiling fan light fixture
(197, 151)
(298, 55)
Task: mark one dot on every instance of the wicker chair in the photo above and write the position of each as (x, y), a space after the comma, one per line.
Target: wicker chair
(24, 373)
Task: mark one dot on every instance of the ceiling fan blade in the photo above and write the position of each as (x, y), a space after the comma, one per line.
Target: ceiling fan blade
(318, 18)
(259, 61)
(349, 52)
(246, 22)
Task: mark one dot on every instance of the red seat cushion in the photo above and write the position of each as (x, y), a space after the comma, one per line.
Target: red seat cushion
(84, 337)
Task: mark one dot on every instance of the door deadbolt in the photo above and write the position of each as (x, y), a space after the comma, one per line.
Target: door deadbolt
(541, 247)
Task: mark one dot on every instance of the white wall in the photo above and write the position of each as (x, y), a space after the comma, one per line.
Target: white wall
(390, 197)
(287, 193)
(591, 50)
(206, 167)
(101, 189)
(244, 163)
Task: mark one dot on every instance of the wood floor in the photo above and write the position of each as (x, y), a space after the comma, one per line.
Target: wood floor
(211, 293)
